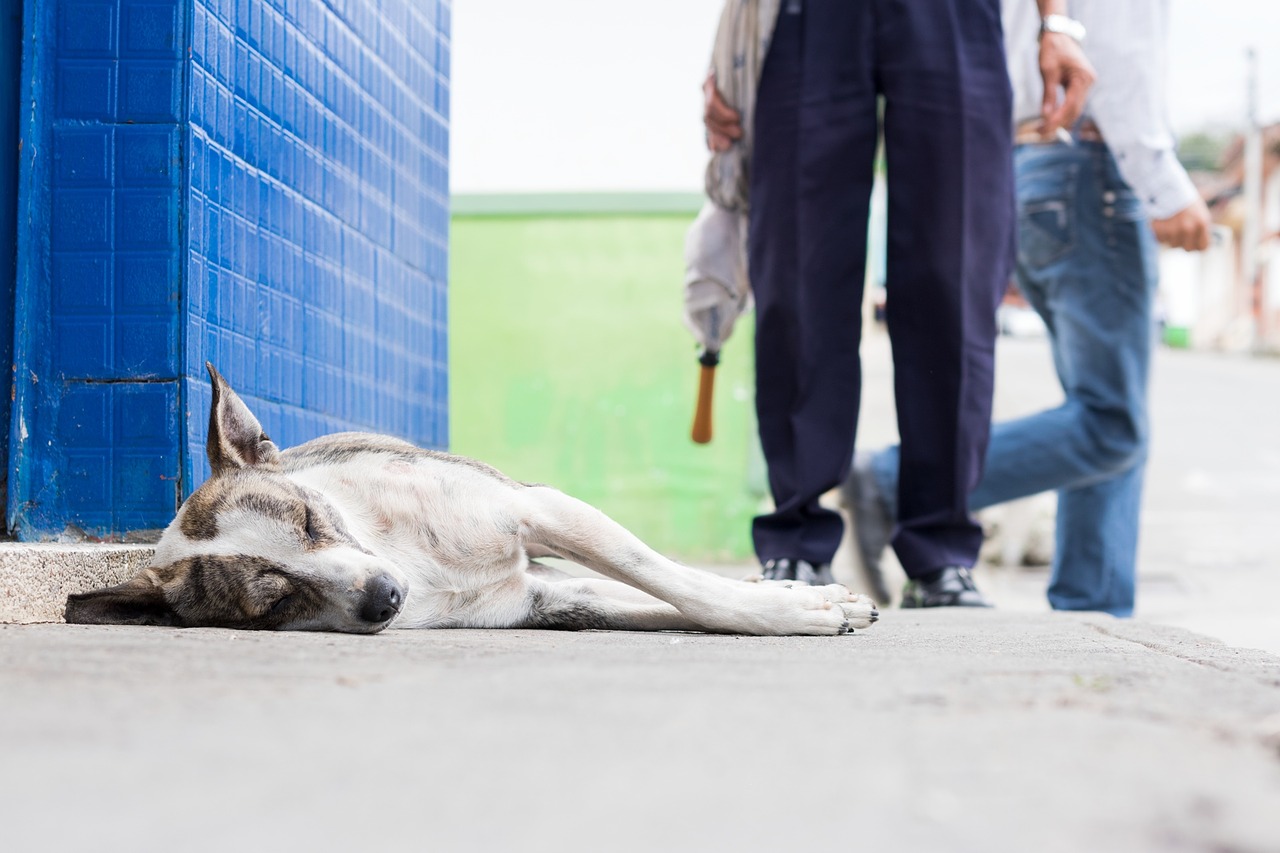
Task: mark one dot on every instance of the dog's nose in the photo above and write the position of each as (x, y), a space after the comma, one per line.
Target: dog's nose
(382, 599)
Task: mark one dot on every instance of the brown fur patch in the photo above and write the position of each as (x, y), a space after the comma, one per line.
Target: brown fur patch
(200, 513)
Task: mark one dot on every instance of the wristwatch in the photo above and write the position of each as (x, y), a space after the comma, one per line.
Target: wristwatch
(1062, 24)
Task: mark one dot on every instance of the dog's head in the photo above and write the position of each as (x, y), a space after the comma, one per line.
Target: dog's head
(251, 549)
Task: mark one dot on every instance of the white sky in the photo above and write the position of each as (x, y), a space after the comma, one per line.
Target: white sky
(593, 95)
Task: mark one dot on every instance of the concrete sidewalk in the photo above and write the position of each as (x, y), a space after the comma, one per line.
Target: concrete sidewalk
(985, 731)
(1006, 730)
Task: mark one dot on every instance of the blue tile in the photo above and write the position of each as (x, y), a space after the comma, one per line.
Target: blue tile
(147, 283)
(86, 90)
(87, 29)
(86, 483)
(145, 416)
(85, 346)
(81, 219)
(149, 29)
(82, 157)
(144, 347)
(148, 484)
(81, 283)
(149, 91)
(146, 219)
(84, 419)
(147, 155)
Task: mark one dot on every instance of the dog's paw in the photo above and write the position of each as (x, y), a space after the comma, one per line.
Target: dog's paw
(859, 606)
(859, 610)
(840, 609)
(781, 608)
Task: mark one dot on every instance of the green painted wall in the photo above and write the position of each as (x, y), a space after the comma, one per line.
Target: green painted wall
(569, 365)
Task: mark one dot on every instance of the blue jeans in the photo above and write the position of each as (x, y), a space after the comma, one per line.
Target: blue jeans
(1087, 263)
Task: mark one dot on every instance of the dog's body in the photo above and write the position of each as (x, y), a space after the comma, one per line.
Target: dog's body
(352, 532)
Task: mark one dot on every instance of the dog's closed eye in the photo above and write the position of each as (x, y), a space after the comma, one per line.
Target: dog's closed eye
(311, 527)
(271, 594)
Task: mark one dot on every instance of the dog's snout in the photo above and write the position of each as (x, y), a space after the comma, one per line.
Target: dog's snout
(382, 599)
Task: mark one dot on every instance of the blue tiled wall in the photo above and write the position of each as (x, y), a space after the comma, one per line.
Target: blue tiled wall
(318, 214)
(257, 183)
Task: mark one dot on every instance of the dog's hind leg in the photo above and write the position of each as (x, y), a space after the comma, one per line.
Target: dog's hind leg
(581, 533)
(570, 602)
(577, 604)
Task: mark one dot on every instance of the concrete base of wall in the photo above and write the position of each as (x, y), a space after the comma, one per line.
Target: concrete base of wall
(35, 580)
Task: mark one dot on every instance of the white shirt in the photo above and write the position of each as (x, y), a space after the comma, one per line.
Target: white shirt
(1126, 40)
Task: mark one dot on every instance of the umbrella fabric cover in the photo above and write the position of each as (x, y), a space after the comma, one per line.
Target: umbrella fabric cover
(717, 290)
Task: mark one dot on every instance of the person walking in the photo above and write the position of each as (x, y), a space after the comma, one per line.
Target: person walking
(1091, 205)
(940, 69)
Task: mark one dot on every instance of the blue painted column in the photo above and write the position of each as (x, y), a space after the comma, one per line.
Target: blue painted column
(259, 183)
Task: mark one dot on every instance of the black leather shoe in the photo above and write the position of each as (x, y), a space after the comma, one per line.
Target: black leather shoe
(949, 587)
(786, 569)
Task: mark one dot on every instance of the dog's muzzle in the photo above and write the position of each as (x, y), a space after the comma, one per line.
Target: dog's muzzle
(383, 598)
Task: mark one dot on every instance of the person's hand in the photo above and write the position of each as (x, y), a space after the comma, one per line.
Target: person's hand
(1187, 229)
(724, 125)
(1063, 63)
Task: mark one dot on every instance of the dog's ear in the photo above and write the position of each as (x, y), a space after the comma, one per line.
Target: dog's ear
(236, 439)
(137, 602)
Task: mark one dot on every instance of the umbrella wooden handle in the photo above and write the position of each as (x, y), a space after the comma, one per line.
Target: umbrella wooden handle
(702, 414)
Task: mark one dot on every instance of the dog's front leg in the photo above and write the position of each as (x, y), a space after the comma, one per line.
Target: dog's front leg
(579, 532)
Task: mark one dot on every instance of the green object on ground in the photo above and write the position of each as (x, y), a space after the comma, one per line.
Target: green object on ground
(570, 366)
(1177, 336)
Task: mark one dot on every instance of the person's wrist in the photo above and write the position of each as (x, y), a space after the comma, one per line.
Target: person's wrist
(1051, 44)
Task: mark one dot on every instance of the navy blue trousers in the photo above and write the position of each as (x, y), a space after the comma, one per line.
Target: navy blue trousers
(940, 67)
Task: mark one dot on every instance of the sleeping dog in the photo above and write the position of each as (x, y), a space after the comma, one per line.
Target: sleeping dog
(354, 532)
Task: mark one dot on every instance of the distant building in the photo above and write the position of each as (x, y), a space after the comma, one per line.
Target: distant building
(1229, 312)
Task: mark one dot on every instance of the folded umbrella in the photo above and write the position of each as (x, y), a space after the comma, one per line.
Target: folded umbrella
(716, 288)
(716, 294)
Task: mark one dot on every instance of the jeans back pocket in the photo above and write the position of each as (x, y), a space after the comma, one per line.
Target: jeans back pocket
(1046, 211)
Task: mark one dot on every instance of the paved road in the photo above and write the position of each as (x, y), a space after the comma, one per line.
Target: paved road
(1210, 546)
(940, 731)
